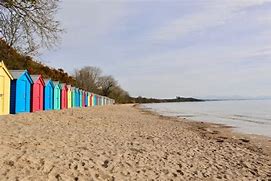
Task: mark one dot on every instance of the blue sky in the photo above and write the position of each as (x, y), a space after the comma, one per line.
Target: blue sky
(165, 48)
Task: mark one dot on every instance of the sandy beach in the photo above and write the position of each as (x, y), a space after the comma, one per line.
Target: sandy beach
(123, 142)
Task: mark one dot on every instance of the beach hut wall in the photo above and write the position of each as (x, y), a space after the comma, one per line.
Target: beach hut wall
(37, 93)
(73, 97)
(83, 98)
(69, 96)
(80, 97)
(64, 97)
(89, 103)
(77, 97)
(57, 95)
(48, 95)
(94, 100)
(98, 100)
(20, 96)
(86, 99)
(5, 79)
(90, 99)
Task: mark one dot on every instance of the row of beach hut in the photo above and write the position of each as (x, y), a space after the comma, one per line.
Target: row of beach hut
(21, 92)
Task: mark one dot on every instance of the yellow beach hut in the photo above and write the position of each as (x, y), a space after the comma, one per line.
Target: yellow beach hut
(5, 78)
(69, 94)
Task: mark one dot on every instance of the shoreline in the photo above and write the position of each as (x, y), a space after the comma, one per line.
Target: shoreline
(123, 142)
(242, 116)
(221, 132)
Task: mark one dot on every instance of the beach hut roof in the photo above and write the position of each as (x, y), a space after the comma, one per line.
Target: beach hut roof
(56, 83)
(18, 73)
(62, 85)
(69, 86)
(36, 78)
(6, 70)
(48, 81)
(73, 88)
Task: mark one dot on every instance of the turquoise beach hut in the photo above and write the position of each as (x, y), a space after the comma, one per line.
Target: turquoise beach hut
(48, 94)
(94, 100)
(80, 98)
(77, 97)
(57, 95)
(20, 94)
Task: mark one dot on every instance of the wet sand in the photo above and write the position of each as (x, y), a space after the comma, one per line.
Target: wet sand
(124, 142)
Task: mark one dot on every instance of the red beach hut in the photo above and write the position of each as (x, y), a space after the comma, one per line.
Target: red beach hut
(64, 96)
(37, 93)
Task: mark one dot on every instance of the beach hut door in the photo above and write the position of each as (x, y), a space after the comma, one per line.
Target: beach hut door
(22, 96)
(1, 94)
(39, 96)
(25, 94)
(50, 97)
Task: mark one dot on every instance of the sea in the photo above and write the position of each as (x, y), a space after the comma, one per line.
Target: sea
(245, 116)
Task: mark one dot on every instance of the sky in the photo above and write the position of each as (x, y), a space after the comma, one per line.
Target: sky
(167, 48)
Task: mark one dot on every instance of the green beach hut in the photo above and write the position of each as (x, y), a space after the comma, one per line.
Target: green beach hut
(57, 95)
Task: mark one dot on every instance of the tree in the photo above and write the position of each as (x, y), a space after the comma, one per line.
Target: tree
(120, 95)
(91, 79)
(87, 78)
(105, 83)
(28, 25)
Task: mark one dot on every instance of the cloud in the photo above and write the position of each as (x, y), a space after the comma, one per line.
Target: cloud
(212, 14)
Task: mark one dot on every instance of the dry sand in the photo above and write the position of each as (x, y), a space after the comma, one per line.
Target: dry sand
(124, 143)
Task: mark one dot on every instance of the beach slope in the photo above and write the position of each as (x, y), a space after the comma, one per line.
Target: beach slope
(122, 142)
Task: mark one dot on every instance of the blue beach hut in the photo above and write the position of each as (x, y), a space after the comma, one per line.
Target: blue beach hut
(48, 94)
(86, 99)
(20, 95)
